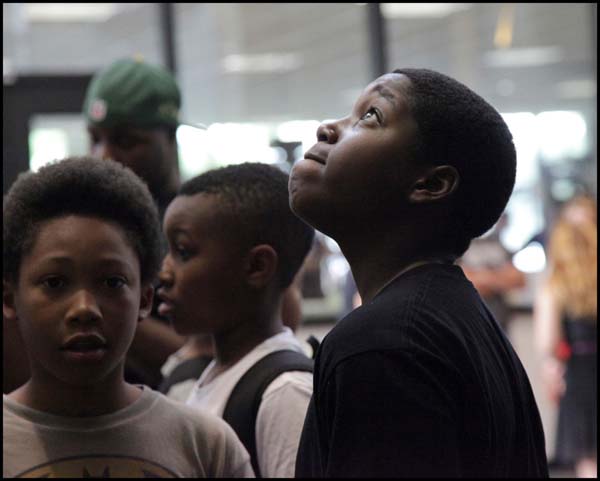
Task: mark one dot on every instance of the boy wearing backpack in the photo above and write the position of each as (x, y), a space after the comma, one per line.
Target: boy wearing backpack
(234, 247)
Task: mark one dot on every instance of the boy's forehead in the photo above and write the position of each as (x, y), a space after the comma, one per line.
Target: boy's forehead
(392, 86)
(194, 210)
(55, 228)
(396, 83)
(57, 236)
(185, 203)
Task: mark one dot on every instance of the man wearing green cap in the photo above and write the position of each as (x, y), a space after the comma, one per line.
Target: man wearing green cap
(132, 112)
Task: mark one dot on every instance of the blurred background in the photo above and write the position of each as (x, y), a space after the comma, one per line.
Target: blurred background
(262, 77)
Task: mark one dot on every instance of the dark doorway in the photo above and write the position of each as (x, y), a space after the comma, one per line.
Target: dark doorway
(26, 97)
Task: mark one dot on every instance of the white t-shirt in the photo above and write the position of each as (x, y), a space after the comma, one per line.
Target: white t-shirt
(152, 437)
(281, 413)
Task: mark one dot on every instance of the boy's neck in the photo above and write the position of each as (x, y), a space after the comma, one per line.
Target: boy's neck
(378, 260)
(61, 399)
(250, 331)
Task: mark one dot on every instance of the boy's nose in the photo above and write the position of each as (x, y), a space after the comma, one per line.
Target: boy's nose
(327, 133)
(84, 308)
(165, 276)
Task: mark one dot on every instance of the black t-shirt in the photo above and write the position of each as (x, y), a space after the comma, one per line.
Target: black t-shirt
(421, 382)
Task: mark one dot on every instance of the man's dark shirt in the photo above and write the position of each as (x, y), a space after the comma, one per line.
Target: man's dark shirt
(136, 372)
(421, 382)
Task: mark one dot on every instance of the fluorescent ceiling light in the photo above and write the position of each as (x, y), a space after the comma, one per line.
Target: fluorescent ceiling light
(261, 62)
(523, 57)
(576, 89)
(424, 10)
(505, 26)
(70, 12)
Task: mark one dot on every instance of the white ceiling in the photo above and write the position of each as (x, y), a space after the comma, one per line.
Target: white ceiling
(320, 53)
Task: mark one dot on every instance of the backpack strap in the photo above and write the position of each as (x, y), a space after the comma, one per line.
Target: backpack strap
(188, 369)
(314, 343)
(243, 403)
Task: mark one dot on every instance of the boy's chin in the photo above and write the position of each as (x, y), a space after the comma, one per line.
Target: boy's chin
(87, 378)
(313, 221)
(318, 217)
(307, 210)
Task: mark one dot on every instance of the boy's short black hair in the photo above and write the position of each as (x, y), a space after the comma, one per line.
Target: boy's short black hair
(457, 127)
(256, 203)
(81, 186)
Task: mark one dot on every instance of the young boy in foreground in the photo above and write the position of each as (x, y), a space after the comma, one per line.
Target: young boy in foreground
(80, 249)
(420, 380)
(234, 248)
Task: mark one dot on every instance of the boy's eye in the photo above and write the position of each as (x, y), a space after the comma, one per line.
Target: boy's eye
(53, 282)
(182, 253)
(115, 282)
(370, 114)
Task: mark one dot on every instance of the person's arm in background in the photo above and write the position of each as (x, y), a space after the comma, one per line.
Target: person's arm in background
(153, 343)
(548, 335)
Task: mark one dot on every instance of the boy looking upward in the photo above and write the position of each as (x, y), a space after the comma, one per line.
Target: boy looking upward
(234, 248)
(420, 380)
(81, 247)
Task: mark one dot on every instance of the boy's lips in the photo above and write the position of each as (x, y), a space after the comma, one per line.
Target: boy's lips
(83, 342)
(166, 306)
(316, 157)
(84, 348)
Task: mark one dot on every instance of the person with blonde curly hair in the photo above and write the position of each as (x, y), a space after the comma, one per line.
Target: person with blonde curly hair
(565, 317)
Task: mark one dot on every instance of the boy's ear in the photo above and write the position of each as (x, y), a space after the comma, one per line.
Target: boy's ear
(146, 301)
(435, 184)
(261, 265)
(9, 309)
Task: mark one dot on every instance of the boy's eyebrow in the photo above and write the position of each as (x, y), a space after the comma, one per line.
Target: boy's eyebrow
(386, 94)
(60, 259)
(178, 230)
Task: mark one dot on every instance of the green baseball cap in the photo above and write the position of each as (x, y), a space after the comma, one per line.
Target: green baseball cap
(130, 91)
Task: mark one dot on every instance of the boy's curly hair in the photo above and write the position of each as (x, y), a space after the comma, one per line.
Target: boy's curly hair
(81, 186)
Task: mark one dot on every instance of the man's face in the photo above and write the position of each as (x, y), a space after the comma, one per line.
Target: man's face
(78, 298)
(360, 167)
(202, 276)
(150, 153)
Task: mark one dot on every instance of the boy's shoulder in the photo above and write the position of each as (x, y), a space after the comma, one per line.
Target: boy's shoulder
(390, 320)
(151, 409)
(154, 429)
(175, 412)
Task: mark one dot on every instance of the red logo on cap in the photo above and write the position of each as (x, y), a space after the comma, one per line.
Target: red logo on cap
(98, 110)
